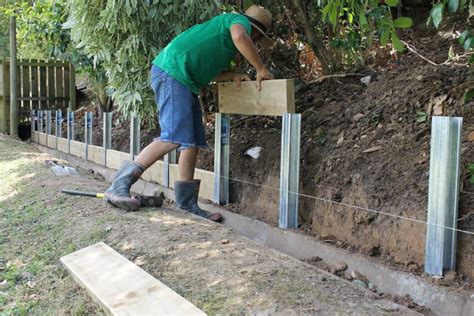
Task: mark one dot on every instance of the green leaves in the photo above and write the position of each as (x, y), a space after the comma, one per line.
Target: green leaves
(403, 22)
(468, 95)
(453, 5)
(392, 3)
(421, 117)
(397, 44)
(470, 167)
(437, 14)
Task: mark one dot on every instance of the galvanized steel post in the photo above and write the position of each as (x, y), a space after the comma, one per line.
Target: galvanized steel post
(169, 158)
(70, 129)
(134, 136)
(107, 134)
(221, 159)
(59, 123)
(40, 121)
(88, 132)
(33, 122)
(48, 122)
(443, 195)
(289, 170)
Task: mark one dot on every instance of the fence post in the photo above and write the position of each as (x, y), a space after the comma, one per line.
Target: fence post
(289, 170)
(33, 122)
(107, 134)
(443, 194)
(221, 159)
(48, 122)
(4, 107)
(87, 133)
(72, 87)
(70, 130)
(134, 136)
(13, 79)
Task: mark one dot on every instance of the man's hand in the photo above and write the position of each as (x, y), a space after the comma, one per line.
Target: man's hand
(263, 74)
(237, 78)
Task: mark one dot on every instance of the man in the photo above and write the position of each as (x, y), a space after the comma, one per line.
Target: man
(195, 58)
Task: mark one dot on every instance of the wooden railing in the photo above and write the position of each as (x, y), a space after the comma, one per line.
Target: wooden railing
(40, 84)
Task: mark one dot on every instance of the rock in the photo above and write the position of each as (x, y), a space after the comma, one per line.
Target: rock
(372, 287)
(470, 136)
(450, 276)
(225, 241)
(359, 283)
(358, 116)
(366, 80)
(419, 78)
(359, 276)
(340, 266)
(348, 276)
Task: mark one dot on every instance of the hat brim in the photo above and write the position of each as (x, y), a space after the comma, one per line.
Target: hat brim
(265, 41)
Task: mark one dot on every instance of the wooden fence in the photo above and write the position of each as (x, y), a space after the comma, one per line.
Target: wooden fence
(41, 84)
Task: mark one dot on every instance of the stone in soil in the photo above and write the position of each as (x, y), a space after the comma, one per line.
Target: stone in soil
(340, 266)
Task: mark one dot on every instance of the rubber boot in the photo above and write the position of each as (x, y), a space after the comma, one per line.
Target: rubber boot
(118, 194)
(187, 193)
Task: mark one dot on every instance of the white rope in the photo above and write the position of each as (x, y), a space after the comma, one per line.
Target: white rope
(353, 206)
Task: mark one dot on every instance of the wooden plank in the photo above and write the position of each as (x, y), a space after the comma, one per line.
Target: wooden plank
(115, 158)
(62, 144)
(173, 176)
(24, 74)
(78, 149)
(59, 87)
(42, 138)
(95, 154)
(67, 88)
(34, 87)
(52, 141)
(275, 98)
(51, 85)
(154, 173)
(121, 287)
(43, 92)
(207, 183)
(42, 63)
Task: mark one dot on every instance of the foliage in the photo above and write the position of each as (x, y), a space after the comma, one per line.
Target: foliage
(359, 19)
(124, 36)
(466, 39)
(471, 171)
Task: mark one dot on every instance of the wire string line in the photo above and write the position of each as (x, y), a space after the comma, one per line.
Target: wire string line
(352, 206)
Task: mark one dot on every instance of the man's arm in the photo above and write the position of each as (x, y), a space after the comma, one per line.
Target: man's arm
(246, 47)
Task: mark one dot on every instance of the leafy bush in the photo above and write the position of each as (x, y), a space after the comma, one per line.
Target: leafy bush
(124, 36)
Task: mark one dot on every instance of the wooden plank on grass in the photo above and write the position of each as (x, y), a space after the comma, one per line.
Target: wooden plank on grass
(275, 98)
(122, 288)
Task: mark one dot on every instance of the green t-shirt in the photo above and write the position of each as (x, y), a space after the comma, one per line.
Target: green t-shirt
(198, 55)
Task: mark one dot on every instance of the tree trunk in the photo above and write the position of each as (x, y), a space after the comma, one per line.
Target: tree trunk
(314, 40)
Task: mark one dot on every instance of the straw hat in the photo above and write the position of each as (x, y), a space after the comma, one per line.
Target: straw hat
(261, 20)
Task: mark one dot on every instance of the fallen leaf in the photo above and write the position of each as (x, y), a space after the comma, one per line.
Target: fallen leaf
(372, 149)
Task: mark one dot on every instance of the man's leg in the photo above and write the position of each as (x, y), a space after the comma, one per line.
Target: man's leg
(187, 163)
(154, 151)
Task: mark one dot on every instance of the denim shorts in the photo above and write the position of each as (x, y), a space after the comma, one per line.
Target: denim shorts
(180, 115)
